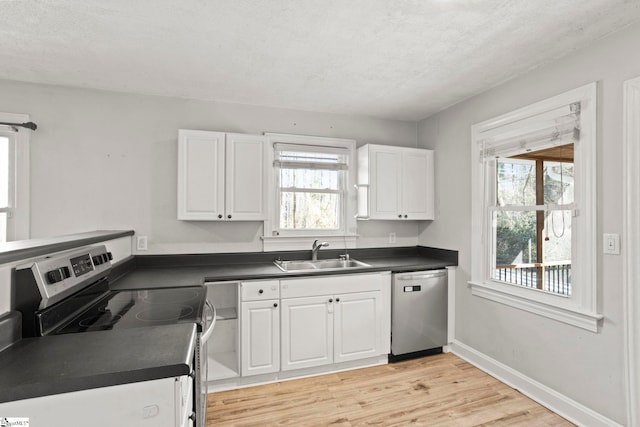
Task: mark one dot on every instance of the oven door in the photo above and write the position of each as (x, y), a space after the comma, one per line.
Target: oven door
(201, 380)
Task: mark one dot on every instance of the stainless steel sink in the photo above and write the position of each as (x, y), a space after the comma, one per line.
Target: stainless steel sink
(321, 264)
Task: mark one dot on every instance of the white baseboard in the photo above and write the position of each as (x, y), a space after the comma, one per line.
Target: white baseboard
(547, 397)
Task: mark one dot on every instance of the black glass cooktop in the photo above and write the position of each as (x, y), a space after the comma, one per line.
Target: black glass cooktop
(134, 309)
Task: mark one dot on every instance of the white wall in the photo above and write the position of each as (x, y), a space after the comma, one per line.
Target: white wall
(587, 367)
(105, 160)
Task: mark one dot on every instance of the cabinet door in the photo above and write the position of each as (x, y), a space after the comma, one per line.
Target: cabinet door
(307, 332)
(417, 184)
(385, 185)
(200, 175)
(246, 177)
(357, 326)
(260, 337)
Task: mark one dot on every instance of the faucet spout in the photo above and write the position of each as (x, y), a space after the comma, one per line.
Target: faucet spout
(315, 248)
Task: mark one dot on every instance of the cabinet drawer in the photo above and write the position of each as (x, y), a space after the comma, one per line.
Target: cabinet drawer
(260, 290)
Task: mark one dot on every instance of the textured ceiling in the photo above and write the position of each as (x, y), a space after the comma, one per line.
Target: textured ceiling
(398, 59)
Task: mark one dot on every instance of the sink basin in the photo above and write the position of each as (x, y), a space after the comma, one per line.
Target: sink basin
(321, 264)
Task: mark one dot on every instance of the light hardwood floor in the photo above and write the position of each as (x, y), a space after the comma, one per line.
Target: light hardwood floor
(440, 390)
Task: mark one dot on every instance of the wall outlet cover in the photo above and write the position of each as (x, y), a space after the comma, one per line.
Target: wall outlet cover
(142, 243)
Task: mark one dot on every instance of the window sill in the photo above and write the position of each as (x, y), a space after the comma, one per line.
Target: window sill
(572, 316)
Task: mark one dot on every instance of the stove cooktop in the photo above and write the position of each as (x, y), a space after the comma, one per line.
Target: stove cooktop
(134, 309)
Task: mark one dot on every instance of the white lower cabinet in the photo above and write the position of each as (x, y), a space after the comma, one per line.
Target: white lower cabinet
(307, 332)
(338, 327)
(308, 322)
(260, 337)
(165, 402)
(357, 331)
(259, 327)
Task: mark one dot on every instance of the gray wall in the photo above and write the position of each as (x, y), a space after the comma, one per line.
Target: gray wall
(106, 160)
(584, 366)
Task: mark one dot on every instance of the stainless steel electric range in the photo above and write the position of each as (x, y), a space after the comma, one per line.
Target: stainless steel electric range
(69, 293)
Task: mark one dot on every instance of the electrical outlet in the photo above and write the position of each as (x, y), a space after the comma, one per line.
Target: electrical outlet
(392, 237)
(142, 243)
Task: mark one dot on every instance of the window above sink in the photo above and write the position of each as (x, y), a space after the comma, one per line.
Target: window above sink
(312, 189)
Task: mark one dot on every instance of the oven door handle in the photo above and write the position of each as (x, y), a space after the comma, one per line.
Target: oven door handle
(207, 333)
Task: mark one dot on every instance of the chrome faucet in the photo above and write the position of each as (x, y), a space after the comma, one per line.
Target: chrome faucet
(315, 248)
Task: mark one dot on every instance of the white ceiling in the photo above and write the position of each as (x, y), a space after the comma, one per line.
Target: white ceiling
(398, 59)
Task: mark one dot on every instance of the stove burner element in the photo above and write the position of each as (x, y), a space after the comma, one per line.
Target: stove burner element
(169, 296)
(99, 321)
(164, 313)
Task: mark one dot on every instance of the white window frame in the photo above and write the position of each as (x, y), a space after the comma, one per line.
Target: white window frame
(18, 218)
(276, 239)
(579, 309)
(631, 244)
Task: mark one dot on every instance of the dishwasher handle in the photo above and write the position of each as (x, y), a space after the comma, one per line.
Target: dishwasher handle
(421, 275)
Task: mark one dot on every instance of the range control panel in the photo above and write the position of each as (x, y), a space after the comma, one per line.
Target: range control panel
(64, 273)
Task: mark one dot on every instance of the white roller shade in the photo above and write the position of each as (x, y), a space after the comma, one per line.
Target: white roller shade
(301, 156)
(557, 127)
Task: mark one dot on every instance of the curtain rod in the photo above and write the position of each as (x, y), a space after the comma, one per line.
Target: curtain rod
(28, 125)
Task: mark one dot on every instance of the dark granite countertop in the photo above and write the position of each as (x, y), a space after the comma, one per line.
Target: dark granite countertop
(48, 365)
(56, 364)
(157, 271)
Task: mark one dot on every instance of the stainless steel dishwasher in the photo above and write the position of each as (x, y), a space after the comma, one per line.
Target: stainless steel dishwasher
(418, 314)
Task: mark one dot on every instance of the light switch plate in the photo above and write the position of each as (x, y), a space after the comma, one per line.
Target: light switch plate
(611, 243)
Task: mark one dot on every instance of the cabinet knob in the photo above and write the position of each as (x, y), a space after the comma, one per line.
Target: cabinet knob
(229, 216)
(219, 215)
(337, 299)
(261, 291)
(399, 215)
(275, 304)
(405, 216)
(330, 299)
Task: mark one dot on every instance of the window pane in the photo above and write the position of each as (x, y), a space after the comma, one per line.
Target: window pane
(4, 172)
(516, 253)
(557, 252)
(558, 182)
(516, 182)
(515, 238)
(309, 178)
(316, 211)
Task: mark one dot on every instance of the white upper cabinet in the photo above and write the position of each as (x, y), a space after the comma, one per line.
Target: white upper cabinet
(246, 177)
(395, 183)
(222, 176)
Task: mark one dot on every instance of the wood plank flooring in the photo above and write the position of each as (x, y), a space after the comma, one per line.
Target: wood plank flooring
(440, 390)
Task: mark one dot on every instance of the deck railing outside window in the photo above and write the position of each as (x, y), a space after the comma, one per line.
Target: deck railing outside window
(556, 276)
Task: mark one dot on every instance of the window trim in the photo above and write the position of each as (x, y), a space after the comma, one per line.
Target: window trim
(579, 309)
(631, 246)
(19, 222)
(276, 239)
